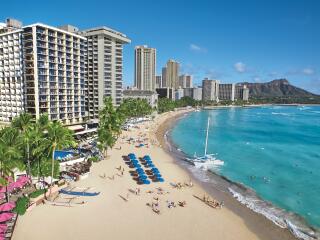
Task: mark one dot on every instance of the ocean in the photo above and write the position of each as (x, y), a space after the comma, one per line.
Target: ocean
(273, 151)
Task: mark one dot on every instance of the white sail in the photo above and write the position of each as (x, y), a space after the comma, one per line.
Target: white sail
(207, 160)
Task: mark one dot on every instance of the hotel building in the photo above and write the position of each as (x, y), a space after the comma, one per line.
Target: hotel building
(227, 91)
(104, 67)
(145, 68)
(241, 92)
(11, 71)
(172, 74)
(164, 77)
(159, 81)
(47, 75)
(210, 90)
(185, 81)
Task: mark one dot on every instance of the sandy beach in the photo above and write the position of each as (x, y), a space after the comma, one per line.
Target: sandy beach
(109, 216)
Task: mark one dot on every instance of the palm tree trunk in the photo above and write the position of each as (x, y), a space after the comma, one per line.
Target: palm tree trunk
(7, 194)
(52, 163)
(28, 159)
(52, 167)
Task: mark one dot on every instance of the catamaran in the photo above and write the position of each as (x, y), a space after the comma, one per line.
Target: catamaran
(207, 160)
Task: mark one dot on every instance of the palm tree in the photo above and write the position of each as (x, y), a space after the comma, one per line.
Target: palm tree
(110, 122)
(10, 154)
(23, 123)
(58, 137)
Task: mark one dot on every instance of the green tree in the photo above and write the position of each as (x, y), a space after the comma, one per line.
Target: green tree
(57, 137)
(134, 107)
(110, 121)
(10, 154)
(23, 123)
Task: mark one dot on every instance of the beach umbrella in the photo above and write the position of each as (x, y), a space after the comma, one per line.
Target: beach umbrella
(143, 177)
(146, 182)
(150, 166)
(137, 165)
(3, 228)
(155, 170)
(7, 206)
(157, 175)
(6, 216)
(146, 157)
(134, 161)
(160, 180)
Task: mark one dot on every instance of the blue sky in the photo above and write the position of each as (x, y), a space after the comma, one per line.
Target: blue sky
(232, 41)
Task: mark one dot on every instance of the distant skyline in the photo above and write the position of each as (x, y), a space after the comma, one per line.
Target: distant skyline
(232, 41)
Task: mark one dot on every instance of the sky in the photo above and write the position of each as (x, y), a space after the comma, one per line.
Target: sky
(231, 41)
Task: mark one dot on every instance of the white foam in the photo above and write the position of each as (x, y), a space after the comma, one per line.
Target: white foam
(273, 214)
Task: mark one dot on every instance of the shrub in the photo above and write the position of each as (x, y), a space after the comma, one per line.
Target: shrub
(37, 193)
(94, 159)
(21, 205)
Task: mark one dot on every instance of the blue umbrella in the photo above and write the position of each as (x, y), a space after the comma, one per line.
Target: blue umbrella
(158, 175)
(146, 181)
(134, 161)
(155, 170)
(146, 156)
(160, 180)
(143, 177)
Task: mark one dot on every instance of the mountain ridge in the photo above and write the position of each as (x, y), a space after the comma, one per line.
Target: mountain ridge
(275, 89)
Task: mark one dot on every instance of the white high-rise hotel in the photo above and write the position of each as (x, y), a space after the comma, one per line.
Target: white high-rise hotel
(47, 75)
(44, 69)
(145, 68)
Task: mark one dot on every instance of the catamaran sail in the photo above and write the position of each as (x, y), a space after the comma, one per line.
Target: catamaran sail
(207, 160)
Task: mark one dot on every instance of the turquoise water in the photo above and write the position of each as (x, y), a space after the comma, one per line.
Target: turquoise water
(274, 150)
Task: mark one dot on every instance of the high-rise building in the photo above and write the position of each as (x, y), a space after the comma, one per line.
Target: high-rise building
(172, 74)
(241, 92)
(12, 83)
(54, 73)
(43, 73)
(164, 77)
(185, 81)
(197, 93)
(210, 90)
(104, 66)
(159, 81)
(178, 94)
(227, 91)
(145, 68)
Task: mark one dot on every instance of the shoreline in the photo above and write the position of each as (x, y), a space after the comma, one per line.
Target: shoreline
(109, 215)
(257, 223)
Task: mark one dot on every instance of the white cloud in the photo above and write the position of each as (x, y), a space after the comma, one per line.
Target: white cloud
(308, 71)
(197, 48)
(240, 67)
